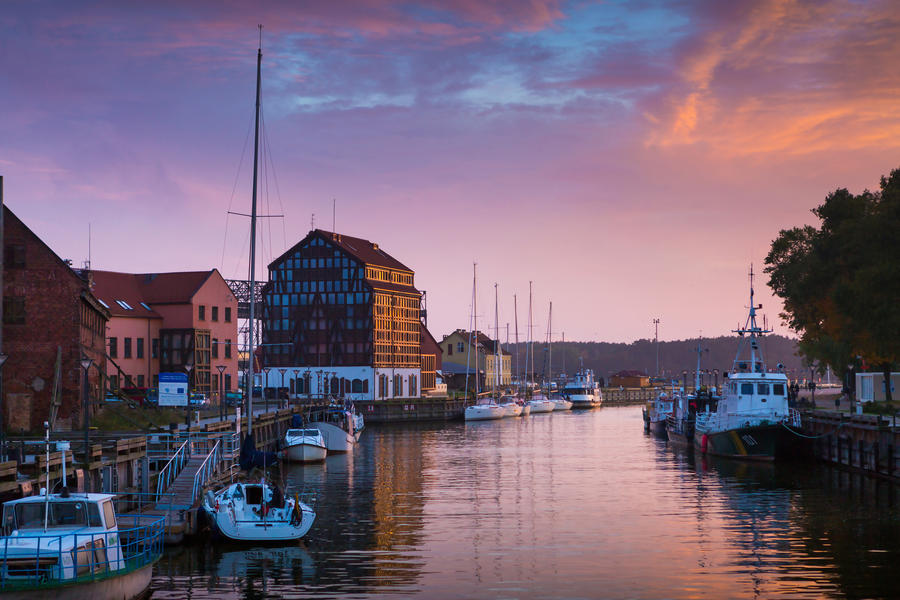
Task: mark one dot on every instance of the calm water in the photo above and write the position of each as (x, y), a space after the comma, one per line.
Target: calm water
(566, 505)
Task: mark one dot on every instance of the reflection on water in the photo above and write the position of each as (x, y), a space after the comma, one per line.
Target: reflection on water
(571, 505)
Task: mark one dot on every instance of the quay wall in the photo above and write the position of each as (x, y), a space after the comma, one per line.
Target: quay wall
(867, 443)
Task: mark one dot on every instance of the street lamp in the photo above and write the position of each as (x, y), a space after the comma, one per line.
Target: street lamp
(266, 398)
(3, 358)
(188, 366)
(221, 369)
(282, 371)
(85, 365)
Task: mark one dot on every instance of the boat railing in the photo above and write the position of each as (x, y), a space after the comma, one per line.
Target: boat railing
(794, 419)
(210, 466)
(50, 560)
(173, 468)
(130, 502)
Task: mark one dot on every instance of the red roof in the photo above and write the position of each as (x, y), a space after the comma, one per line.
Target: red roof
(363, 250)
(147, 288)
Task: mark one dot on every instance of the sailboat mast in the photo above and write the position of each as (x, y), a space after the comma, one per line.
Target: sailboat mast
(550, 349)
(530, 346)
(496, 341)
(516, 317)
(251, 357)
(475, 323)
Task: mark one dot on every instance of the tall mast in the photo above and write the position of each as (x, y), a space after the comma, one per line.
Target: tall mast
(757, 365)
(496, 341)
(516, 315)
(550, 349)
(251, 358)
(475, 323)
(530, 346)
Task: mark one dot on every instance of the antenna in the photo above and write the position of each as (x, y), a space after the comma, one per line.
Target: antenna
(334, 215)
(312, 222)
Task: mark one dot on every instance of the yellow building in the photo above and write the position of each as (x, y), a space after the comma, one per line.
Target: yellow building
(456, 350)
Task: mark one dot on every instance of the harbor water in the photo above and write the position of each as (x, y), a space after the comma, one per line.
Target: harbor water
(580, 504)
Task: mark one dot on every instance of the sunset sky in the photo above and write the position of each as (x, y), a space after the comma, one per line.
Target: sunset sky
(631, 158)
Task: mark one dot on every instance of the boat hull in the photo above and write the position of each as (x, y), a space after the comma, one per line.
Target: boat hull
(126, 586)
(336, 439)
(658, 427)
(304, 453)
(758, 442)
(538, 406)
(271, 531)
(562, 405)
(484, 413)
(580, 404)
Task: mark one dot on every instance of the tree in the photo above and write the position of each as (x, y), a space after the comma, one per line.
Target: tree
(840, 283)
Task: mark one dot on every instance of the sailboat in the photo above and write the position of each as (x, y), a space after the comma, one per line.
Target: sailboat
(509, 404)
(538, 403)
(520, 396)
(256, 511)
(484, 409)
(751, 416)
(559, 402)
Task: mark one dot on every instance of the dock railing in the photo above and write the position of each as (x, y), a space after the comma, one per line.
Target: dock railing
(168, 473)
(210, 466)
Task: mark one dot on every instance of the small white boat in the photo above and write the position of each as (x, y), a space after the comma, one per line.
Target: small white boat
(340, 428)
(257, 512)
(304, 445)
(71, 545)
(540, 404)
(583, 391)
(512, 408)
(485, 410)
(561, 404)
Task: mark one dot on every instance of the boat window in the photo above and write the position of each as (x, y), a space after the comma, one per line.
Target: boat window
(293, 432)
(109, 514)
(747, 388)
(310, 432)
(94, 515)
(9, 520)
(238, 492)
(762, 389)
(62, 514)
(778, 389)
(254, 494)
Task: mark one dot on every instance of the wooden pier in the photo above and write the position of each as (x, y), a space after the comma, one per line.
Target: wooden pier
(866, 443)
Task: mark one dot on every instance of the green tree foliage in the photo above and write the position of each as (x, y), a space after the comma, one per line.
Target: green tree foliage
(841, 282)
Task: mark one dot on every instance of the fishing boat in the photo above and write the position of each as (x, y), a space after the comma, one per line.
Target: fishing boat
(656, 412)
(680, 424)
(257, 512)
(74, 545)
(753, 412)
(582, 391)
(304, 445)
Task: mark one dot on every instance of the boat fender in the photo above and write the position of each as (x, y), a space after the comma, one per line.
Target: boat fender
(704, 443)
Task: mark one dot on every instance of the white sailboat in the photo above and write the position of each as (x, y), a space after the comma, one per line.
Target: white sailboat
(520, 395)
(509, 404)
(484, 409)
(559, 402)
(256, 511)
(538, 403)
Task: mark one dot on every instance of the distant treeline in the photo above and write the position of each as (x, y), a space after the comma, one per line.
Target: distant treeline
(674, 357)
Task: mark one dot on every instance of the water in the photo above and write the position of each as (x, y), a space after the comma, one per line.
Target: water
(564, 505)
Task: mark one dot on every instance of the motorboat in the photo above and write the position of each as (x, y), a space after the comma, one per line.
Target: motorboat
(341, 427)
(74, 545)
(656, 412)
(513, 408)
(304, 445)
(582, 391)
(257, 512)
(485, 410)
(753, 413)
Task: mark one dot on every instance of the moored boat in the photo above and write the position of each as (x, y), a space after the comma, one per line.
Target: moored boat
(751, 416)
(485, 410)
(257, 512)
(583, 391)
(656, 412)
(304, 445)
(340, 428)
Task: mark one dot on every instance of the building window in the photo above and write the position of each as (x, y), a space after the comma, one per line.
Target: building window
(113, 347)
(201, 314)
(140, 347)
(215, 313)
(227, 348)
(113, 382)
(14, 310)
(459, 347)
(156, 380)
(15, 256)
(126, 343)
(215, 346)
(154, 348)
(412, 385)
(449, 349)
(228, 314)
(398, 385)
(227, 382)
(140, 381)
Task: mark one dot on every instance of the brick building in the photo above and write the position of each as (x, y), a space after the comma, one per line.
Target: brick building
(161, 322)
(341, 316)
(50, 321)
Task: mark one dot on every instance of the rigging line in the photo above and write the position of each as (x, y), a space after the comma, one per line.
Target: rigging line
(267, 163)
(278, 194)
(237, 176)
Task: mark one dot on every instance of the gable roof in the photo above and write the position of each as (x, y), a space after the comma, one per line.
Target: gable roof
(362, 250)
(110, 286)
(483, 340)
(149, 288)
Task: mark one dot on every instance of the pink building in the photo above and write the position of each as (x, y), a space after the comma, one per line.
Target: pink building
(163, 322)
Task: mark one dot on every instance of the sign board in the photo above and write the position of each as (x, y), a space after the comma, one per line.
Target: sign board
(173, 389)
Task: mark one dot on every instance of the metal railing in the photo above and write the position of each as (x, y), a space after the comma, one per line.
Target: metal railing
(209, 467)
(168, 473)
(52, 560)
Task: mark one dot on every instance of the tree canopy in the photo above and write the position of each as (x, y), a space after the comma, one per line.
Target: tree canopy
(840, 282)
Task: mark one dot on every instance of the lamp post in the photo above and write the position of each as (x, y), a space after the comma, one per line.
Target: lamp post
(3, 358)
(656, 339)
(188, 366)
(221, 369)
(266, 398)
(282, 371)
(296, 375)
(85, 366)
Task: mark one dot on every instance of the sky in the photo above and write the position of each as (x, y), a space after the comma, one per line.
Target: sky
(632, 159)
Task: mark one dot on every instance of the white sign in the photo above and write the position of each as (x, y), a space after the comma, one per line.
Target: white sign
(173, 389)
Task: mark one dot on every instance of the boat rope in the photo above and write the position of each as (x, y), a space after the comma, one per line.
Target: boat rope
(811, 437)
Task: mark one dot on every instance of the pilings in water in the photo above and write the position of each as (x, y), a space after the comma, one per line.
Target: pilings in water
(867, 443)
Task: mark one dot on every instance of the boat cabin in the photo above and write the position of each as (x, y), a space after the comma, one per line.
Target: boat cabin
(756, 393)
